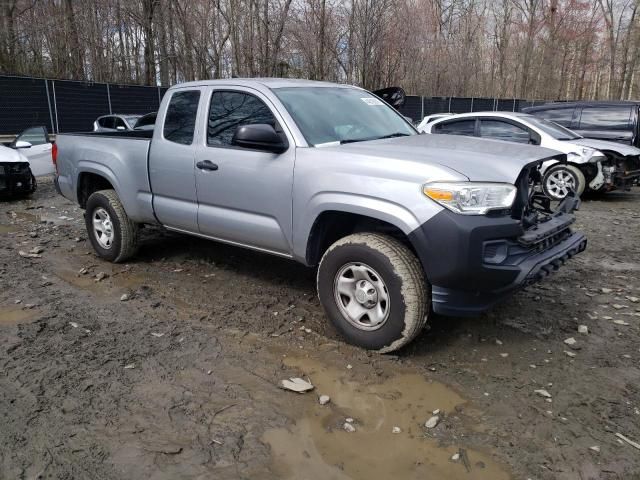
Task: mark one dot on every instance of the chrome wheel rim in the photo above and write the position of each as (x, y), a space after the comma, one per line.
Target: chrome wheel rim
(103, 228)
(559, 183)
(361, 296)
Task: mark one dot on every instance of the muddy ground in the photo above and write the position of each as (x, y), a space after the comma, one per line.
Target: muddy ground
(180, 379)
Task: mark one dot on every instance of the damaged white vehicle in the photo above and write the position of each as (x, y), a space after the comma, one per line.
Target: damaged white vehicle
(16, 177)
(592, 165)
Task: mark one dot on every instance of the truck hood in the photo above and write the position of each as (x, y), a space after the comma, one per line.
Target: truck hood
(477, 159)
(9, 155)
(619, 148)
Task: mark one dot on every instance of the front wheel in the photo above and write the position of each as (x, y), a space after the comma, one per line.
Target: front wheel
(113, 235)
(560, 179)
(373, 289)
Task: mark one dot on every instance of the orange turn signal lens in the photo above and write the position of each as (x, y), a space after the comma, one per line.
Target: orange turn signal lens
(438, 195)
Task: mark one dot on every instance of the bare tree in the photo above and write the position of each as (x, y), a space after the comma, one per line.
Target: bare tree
(507, 48)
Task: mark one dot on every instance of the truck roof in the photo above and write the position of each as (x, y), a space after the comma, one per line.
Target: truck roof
(262, 82)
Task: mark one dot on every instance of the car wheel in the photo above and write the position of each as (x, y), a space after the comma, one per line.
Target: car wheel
(113, 235)
(373, 289)
(559, 179)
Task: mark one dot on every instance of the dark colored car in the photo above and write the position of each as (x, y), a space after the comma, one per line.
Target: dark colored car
(615, 121)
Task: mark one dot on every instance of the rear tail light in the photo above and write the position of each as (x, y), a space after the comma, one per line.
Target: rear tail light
(54, 156)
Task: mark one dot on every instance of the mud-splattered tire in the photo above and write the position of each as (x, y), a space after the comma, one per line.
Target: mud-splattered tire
(379, 269)
(119, 238)
(556, 177)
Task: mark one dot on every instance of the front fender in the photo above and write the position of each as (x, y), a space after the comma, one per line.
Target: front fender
(376, 208)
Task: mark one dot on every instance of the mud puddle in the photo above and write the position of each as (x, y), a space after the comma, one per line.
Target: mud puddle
(317, 446)
(15, 316)
(7, 228)
(42, 216)
(116, 282)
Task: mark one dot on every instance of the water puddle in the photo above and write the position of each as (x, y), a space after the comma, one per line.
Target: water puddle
(41, 216)
(318, 447)
(15, 316)
(7, 228)
(116, 282)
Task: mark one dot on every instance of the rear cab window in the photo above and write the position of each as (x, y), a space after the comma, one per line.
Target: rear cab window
(605, 118)
(180, 119)
(465, 127)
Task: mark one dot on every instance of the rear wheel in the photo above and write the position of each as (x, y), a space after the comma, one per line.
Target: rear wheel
(373, 290)
(560, 179)
(113, 235)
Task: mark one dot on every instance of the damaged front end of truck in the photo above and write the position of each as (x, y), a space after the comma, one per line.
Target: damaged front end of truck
(501, 252)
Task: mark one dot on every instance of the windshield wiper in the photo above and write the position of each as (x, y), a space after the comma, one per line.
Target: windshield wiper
(394, 135)
(391, 135)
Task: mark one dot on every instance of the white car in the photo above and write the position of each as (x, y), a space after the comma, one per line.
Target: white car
(430, 118)
(34, 144)
(116, 123)
(16, 177)
(596, 165)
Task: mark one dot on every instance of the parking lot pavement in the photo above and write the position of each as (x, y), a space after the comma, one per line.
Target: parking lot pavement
(169, 366)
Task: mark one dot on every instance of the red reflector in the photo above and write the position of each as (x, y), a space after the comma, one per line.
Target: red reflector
(54, 156)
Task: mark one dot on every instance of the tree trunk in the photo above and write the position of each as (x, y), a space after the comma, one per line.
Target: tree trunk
(149, 47)
(76, 52)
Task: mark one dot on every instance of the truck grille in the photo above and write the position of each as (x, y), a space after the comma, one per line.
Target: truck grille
(548, 242)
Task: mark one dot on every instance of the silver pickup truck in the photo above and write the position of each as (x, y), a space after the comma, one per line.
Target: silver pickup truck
(399, 224)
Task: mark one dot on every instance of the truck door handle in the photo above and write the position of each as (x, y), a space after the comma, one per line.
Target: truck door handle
(207, 165)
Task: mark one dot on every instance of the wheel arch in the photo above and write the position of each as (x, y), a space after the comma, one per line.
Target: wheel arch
(89, 182)
(330, 226)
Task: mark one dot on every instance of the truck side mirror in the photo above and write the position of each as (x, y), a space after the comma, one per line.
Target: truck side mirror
(259, 136)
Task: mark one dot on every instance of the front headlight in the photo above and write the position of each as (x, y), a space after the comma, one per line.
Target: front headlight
(471, 198)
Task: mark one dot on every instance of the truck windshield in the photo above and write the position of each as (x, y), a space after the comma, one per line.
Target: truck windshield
(330, 115)
(552, 128)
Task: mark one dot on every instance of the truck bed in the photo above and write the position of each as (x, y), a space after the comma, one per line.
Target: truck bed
(119, 157)
(145, 134)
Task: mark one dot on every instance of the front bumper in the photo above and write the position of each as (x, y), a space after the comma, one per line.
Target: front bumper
(16, 179)
(472, 262)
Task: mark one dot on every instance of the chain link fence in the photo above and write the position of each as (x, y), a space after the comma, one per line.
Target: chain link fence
(71, 106)
(417, 107)
(68, 106)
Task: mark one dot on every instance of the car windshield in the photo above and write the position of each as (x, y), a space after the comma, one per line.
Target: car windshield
(552, 128)
(330, 115)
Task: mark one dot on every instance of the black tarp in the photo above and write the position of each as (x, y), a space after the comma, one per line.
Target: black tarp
(79, 104)
(415, 106)
(68, 106)
(23, 104)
